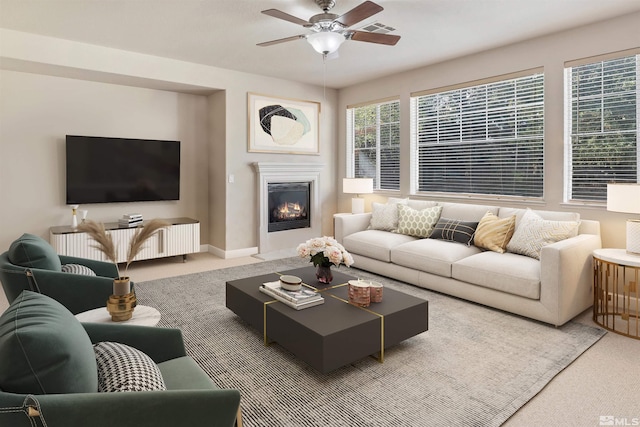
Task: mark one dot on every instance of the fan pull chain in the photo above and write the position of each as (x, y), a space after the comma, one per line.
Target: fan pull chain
(324, 77)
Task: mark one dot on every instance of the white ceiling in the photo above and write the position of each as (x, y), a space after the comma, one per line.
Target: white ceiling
(224, 33)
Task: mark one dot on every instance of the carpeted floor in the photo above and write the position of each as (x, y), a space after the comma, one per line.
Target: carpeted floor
(474, 367)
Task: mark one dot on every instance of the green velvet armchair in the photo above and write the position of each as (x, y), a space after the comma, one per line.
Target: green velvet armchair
(32, 264)
(48, 374)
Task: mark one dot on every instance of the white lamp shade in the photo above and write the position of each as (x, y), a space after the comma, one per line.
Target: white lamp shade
(325, 42)
(357, 185)
(623, 198)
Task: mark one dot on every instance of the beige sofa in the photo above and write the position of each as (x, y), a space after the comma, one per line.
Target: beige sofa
(553, 289)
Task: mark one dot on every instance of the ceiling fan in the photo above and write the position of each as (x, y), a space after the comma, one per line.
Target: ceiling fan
(330, 30)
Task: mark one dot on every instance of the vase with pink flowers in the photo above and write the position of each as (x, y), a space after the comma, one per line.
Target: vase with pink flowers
(324, 252)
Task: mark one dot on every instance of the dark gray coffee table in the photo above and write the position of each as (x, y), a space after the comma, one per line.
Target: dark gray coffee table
(332, 334)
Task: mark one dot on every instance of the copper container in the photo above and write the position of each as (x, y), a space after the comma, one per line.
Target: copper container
(375, 290)
(359, 293)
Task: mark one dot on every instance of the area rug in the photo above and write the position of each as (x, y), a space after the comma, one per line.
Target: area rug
(475, 366)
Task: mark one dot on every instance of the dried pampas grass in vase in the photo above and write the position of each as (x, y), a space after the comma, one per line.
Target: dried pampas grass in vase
(121, 304)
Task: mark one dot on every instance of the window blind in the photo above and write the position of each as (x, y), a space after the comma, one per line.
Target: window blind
(483, 139)
(373, 139)
(602, 124)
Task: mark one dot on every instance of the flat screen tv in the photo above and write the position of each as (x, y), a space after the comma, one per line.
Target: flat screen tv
(107, 170)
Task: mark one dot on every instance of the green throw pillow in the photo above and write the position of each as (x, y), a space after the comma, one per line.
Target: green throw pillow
(34, 252)
(417, 223)
(44, 349)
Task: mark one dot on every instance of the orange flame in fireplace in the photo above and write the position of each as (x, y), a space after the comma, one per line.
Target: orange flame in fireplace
(289, 210)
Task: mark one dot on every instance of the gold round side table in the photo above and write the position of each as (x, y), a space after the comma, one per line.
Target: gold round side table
(616, 277)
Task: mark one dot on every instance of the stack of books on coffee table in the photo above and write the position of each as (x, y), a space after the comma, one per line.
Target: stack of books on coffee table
(304, 298)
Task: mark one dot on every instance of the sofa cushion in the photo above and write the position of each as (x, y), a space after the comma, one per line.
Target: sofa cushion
(454, 230)
(431, 255)
(418, 223)
(374, 244)
(466, 212)
(34, 252)
(385, 216)
(48, 349)
(507, 272)
(548, 215)
(494, 233)
(124, 368)
(533, 233)
(421, 204)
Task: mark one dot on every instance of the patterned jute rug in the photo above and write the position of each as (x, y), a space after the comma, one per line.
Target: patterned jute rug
(475, 366)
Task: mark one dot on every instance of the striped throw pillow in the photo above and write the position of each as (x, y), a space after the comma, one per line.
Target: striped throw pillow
(454, 230)
(78, 269)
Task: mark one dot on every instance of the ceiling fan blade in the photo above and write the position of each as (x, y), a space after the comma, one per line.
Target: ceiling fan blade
(283, 15)
(359, 13)
(364, 36)
(286, 39)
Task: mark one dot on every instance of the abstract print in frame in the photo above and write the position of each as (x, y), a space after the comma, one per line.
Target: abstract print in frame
(283, 125)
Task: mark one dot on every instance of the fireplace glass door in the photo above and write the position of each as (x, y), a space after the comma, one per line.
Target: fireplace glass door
(289, 205)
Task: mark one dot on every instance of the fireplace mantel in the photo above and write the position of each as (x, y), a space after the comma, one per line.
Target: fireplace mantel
(272, 172)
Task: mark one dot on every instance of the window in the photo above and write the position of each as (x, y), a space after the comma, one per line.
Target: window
(486, 139)
(373, 144)
(602, 126)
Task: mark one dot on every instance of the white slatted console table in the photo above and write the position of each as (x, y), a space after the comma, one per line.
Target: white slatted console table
(182, 237)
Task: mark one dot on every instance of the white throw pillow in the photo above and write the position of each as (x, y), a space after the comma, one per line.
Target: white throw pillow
(533, 233)
(385, 216)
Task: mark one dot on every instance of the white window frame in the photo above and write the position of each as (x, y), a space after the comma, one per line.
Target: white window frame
(600, 200)
(351, 172)
(414, 136)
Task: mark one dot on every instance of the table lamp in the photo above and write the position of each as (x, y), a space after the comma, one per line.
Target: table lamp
(626, 198)
(357, 186)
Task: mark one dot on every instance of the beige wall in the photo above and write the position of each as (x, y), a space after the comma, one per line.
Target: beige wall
(103, 91)
(37, 112)
(549, 52)
(32, 100)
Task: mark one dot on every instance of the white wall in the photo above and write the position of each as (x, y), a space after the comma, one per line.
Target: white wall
(549, 52)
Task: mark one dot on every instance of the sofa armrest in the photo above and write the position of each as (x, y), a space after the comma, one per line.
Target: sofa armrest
(161, 344)
(214, 408)
(567, 276)
(346, 224)
(101, 268)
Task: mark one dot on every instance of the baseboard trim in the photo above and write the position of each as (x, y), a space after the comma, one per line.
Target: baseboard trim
(236, 253)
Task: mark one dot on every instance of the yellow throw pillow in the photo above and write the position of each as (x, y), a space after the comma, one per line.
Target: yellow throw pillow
(494, 233)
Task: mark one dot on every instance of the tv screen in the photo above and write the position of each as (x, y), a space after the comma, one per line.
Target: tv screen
(105, 170)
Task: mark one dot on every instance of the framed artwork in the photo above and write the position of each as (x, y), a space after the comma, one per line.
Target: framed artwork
(283, 125)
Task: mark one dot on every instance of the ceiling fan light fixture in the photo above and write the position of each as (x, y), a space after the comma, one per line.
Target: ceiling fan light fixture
(325, 42)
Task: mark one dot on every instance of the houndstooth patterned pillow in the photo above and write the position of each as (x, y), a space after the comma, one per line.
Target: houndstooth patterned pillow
(78, 269)
(124, 368)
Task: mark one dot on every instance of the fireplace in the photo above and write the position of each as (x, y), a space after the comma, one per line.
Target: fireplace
(295, 174)
(289, 205)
